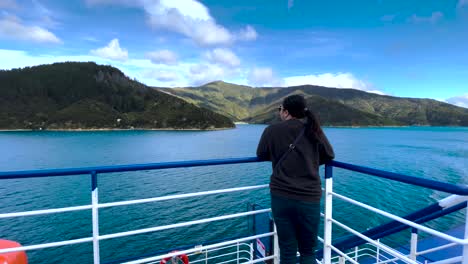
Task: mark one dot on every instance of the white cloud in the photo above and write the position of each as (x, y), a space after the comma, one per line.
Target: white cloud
(112, 51)
(45, 16)
(198, 26)
(162, 76)
(462, 3)
(461, 100)
(187, 17)
(162, 57)
(248, 34)
(263, 77)
(223, 57)
(8, 4)
(12, 27)
(433, 19)
(339, 80)
(203, 73)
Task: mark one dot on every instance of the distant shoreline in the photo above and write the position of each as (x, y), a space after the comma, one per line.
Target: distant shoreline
(186, 129)
(371, 126)
(115, 129)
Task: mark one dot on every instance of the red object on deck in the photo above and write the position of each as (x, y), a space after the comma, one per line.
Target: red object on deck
(184, 258)
(18, 257)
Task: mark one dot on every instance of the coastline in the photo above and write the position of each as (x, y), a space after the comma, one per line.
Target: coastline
(194, 129)
(115, 129)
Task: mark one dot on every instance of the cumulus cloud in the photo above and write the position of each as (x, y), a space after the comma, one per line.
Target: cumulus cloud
(8, 4)
(339, 80)
(248, 33)
(162, 57)
(203, 73)
(112, 51)
(223, 57)
(433, 19)
(461, 101)
(12, 27)
(187, 17)
(263, 77)
(160, 75)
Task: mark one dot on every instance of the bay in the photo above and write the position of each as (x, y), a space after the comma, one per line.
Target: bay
(438, 153)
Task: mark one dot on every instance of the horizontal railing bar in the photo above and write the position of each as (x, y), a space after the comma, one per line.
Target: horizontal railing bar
(123, 168)
(342, 254)
(189, 223)
(436, 249)
(449, 261)
(47, 245)
(260, 260)
(47, 211)
(402, 220)
(431, 184)
(377, 244)
(180, 196)
(221, 248)
(188, 251)
(227, 261)
(219, 256)
(435, 185)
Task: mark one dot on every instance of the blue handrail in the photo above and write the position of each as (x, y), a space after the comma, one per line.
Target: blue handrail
(431, 184)
(123, 168)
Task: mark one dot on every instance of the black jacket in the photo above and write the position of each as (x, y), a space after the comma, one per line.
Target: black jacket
(297, 176)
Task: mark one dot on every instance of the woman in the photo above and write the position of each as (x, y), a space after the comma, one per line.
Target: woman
(297, 147)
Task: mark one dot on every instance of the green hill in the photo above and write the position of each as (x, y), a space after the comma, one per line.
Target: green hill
(334, 106)
(76, 95)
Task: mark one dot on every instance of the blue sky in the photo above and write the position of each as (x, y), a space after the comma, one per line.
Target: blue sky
(406, 48)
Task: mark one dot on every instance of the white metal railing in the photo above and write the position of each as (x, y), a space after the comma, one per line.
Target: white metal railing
(381, 247)
(96, 238)
(329, 221)
(367, 251)
(243, 253)
(208, 247)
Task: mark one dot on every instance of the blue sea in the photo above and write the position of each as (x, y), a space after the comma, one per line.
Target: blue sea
(437, 153)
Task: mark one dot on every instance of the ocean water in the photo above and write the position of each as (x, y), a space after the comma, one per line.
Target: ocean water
(437, 153)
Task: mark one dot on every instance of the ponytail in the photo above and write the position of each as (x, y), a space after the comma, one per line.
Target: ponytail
(297, 107)
(312, 124)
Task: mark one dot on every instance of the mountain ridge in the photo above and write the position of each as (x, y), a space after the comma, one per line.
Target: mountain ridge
(77, 95)
(255, 105)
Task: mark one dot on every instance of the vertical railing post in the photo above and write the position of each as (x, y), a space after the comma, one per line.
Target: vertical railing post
(276, 249)
(95, 216)
(237, 252)
(328, 214)
(341, 260)
(377, 255)
(251, 252)
(465, 247)
(414, 243)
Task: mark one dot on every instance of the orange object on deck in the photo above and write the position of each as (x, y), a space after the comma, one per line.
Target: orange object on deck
(18, 257)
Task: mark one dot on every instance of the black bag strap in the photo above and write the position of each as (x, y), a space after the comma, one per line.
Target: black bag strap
(291, 148)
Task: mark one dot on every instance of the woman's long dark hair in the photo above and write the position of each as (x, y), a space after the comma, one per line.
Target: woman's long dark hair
(297, 107)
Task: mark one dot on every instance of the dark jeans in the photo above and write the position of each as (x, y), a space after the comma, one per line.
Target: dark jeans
(297, 224)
